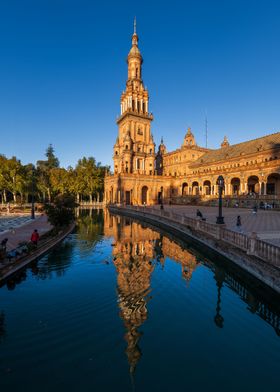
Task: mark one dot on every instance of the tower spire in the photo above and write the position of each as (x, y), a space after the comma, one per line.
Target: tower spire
(134, 25)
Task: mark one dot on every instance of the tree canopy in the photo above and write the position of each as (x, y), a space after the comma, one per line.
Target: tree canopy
(84, 181)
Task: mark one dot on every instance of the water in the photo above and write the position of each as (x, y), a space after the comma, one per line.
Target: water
(123, 306)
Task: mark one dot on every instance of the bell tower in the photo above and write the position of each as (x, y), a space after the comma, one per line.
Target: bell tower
(134, 150)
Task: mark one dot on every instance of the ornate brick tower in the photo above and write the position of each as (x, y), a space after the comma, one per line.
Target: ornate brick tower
(134, 150)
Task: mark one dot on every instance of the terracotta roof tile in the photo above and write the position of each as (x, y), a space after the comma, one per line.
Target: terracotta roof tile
(240, 150)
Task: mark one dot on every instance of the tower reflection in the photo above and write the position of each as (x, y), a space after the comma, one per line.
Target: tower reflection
(136, 252)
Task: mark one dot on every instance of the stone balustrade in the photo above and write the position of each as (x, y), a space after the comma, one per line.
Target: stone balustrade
(248, 243)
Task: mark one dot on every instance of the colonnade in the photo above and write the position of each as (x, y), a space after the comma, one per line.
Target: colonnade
(269, 185)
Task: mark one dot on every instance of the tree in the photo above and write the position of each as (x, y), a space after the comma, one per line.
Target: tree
(44, 168)
(62, 211)
(52, 160)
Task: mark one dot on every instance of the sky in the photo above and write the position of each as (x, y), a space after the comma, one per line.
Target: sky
(63, 69)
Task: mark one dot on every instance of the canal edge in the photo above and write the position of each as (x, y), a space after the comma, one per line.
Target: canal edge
(38, 254)
(259, 269)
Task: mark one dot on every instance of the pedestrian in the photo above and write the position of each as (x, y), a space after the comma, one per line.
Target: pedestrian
(199, 214)
(35, 237)
(238, 221)
(4, 244)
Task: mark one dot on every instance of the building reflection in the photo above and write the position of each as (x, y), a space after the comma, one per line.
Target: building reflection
(2, 326)
(137, 250)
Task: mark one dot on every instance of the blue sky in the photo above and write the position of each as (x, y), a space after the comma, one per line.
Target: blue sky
(63, 68)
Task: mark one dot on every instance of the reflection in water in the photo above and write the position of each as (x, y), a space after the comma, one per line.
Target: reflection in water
(90, 229)
(165, 298)
(137, 250)
(2, 326)
(219, 277)
(58, 261)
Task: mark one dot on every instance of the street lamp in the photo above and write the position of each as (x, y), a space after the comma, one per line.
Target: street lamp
(32, 194)
(221, 184)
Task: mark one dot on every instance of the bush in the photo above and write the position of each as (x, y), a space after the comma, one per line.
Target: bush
(62, 211)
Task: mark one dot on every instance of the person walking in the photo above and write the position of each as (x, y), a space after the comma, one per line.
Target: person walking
(238, 221)
(35, 237)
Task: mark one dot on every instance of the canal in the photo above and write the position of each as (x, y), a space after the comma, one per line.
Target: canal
(123, 306)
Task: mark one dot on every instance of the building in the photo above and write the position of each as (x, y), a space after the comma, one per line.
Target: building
(142, 176)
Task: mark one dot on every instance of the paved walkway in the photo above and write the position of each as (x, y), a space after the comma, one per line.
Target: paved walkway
(23, 232)
(265, 223)
(10, 222)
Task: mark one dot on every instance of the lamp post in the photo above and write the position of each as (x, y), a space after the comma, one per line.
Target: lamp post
(32, 195)
(221, 184)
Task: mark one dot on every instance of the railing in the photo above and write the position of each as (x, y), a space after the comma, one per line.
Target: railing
(268, 252)
(250, 244)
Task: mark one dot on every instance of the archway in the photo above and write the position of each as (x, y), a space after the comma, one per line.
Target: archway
(273, 184)
(253, 184)
(184, 189)
(235, 186)
(207, 187)
(195, 188)
(144, 196)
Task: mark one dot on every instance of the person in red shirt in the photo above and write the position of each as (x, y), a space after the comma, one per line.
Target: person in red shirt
(35, 237)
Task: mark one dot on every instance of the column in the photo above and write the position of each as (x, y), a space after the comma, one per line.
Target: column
(264, 188)
(141, 105)
(226, 189)
(260, 188)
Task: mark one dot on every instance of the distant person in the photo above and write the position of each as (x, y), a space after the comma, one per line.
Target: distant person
(199, 214)
(255, 209)
(35, 237)
(238, 221)
(4, 244)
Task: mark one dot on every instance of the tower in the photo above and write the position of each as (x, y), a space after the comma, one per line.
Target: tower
(189, 140)
(134, 150)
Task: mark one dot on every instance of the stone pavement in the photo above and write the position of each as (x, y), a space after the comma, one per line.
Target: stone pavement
(23, 232)
(266, 223)
(12, 221)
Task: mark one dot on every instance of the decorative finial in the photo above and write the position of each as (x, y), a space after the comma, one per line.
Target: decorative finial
(161, 141)
(135, 25)
(225, 142)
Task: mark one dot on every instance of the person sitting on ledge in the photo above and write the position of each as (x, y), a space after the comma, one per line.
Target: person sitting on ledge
(4, 244)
